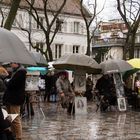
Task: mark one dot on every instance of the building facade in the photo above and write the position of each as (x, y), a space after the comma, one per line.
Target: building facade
(111, 39)
(71, 37)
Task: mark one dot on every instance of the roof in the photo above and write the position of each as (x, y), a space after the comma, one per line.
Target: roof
(71, 7)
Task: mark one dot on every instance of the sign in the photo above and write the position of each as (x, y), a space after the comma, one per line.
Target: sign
(80, 105)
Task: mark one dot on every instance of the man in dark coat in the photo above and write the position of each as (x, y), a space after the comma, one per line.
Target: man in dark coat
(15, 95)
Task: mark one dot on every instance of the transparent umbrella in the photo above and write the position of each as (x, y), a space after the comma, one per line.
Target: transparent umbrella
(12, 49)
(115, 66)
(77, 62)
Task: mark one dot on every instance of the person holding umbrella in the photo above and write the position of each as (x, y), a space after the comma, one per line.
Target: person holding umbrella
(14, 96)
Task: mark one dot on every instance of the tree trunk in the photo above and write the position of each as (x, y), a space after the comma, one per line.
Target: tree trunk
(88, 42)
(49, 50)
(131, 51)
(12, 14)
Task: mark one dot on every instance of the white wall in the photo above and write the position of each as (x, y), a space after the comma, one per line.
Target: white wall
(67, 37)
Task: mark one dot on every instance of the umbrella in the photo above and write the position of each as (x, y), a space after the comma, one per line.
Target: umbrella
(12, 49)
(115, 66)
(77, 62)
(135, 63)
(39, 58)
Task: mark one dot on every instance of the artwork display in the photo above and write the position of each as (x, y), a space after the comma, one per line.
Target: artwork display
(80, 105)
(118, 85)
(121, 104)
(80, 81)
(120, 91)
(32, 81)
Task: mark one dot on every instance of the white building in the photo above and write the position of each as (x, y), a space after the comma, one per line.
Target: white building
(71, 37)
(111, 39)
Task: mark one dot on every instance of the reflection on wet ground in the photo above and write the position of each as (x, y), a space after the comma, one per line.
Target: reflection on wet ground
(58, 125)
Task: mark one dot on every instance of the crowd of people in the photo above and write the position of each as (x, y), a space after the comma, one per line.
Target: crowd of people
(57, 86)
(13, 99)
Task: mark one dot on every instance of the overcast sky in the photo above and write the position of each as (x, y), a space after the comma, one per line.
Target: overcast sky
(109, 12)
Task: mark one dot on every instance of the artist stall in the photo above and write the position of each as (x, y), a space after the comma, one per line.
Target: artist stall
(116, 68)
(80, 65)
(33, 85)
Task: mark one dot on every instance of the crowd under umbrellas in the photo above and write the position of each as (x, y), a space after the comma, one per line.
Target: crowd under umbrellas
(18, 53)
(82, 64)
(12, 49)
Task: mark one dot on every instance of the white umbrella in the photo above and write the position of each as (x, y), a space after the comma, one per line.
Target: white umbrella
(12, 49)
(77, 62)
(115, 66)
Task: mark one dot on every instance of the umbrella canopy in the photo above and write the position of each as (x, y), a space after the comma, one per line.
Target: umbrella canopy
(12, 49)
(77, 62)
(39, 58)
(115, 66)
(135, 63)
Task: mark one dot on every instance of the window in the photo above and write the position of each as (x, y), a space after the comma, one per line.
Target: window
(76, 27)
(39, 46)
(137, 53)
(58, 51)
(75, 49)
(59, 23)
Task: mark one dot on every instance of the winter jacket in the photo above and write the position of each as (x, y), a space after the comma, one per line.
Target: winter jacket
(15, 91)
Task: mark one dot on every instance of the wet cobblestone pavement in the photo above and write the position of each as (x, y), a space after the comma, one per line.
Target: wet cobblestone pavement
(58, 125)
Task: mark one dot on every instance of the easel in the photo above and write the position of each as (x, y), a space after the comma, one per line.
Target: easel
(80, 88)
(119, 91)
(32, 89)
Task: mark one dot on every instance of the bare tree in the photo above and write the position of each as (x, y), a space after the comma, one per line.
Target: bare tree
(89, 20)
(12, 14)
(130, 12)
(48, 30)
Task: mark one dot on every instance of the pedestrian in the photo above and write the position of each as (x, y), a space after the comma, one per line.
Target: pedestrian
(47, 78)
(53, 92)
(89, 88)
(65, 91)
(105, 86)
(5, 124)
(14, 96)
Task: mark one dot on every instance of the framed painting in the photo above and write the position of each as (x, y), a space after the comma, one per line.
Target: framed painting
(80, 105)
(121, 104)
